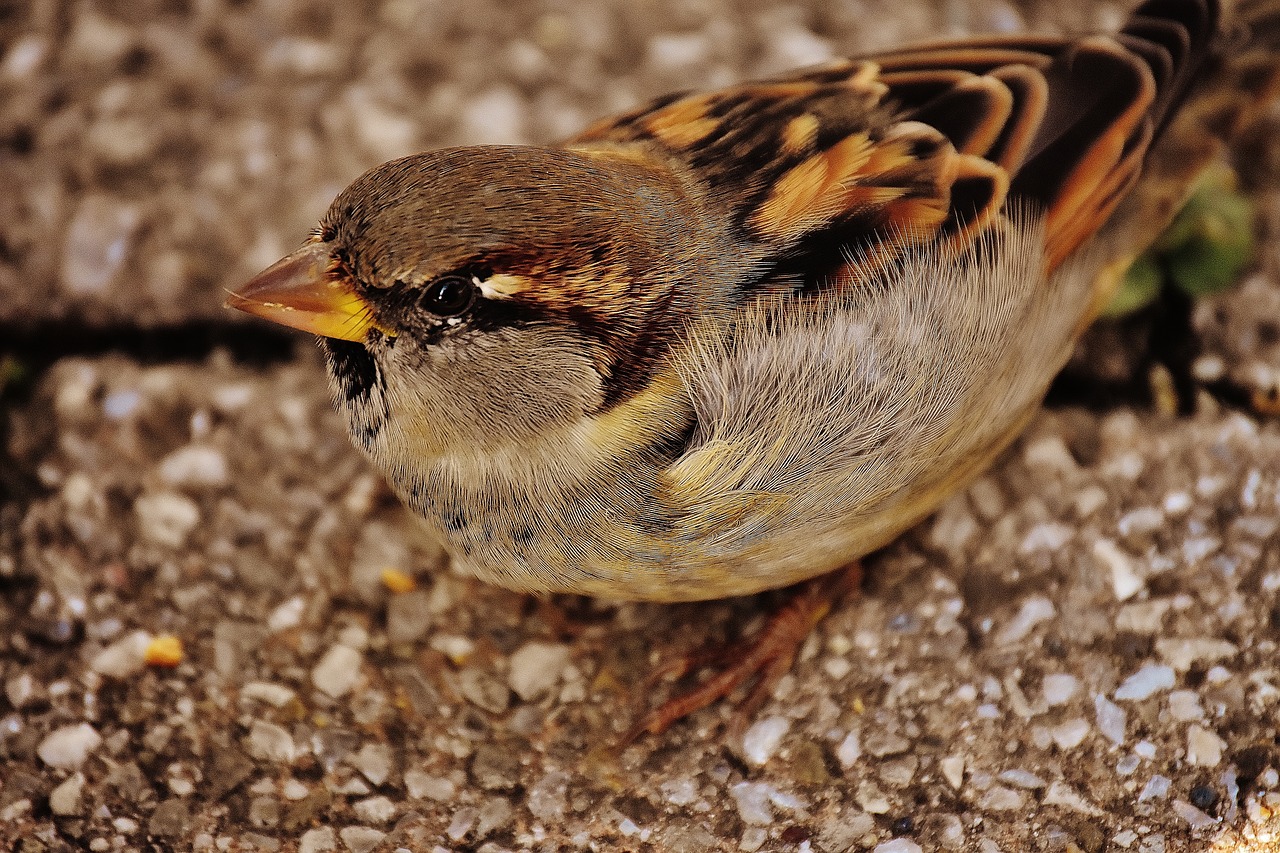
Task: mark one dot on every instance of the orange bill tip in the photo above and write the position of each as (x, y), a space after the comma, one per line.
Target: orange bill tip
(302, 291)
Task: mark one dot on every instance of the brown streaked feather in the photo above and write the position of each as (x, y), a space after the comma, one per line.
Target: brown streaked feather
(930, 141)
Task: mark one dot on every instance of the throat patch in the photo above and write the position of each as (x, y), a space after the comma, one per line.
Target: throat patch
(354, 371)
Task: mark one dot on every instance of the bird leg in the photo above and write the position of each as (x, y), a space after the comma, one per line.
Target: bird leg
(760, 660)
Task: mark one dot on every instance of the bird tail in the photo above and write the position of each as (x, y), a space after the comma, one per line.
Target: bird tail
(1207, 105)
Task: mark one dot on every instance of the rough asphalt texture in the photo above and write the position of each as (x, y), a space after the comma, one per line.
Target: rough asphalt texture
(1078, 653)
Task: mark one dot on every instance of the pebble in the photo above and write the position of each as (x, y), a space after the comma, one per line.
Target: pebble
(1111, 719)
(97, 244)
(1020, 778)
(547, 799)
(378, 810)
(1182, 654)
(374, 761)
(1192, 815)
(408, 617)
(338, 671)
(898, 845)
(1146, 682)
(1048, 536)
(1000, 798)
(319, 840)
(1157, 787)
(761, 741)
(952, 768)
(65, 799)
(756, 801)
(422, 785)
(1034, 610)
(166, 518)
(536, 668)
(270, 742)
(850, 750)
(1062, 794)
(123, 658)
(1204, 747)
(1058, 688)
(287, 614)
(1125, 580)
(275, 695)
(195, 466)
(69, 746)
(1070, 733)
(361, 839)
(1184, 706)
(496, 813)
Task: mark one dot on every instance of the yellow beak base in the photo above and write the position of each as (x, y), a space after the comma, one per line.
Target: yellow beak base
(303, 292)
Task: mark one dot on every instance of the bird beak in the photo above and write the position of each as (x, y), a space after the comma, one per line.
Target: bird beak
(304, 291)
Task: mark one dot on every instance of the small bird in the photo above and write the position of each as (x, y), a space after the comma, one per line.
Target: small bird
(737, 339)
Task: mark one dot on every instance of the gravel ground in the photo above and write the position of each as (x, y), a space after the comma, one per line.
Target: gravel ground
(219, 632)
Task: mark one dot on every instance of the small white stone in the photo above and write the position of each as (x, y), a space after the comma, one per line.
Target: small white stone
(1184, 706)
(123, 658)
(1204, 747)
(1125, 580)
(850, 750)
(319, 840)
(898, 845)
(1058, 688)
(536, 668)
(275, 695)
(752, 800)
(270, 742)
(1192, 815)
(422, 785)
(294, 791)
(1157, 787)
(999, 798)
(1020, 778)
(166, 518)
(1151, 679)
(1070, 733)
(1034, 610)
(287, 614)
(374, 761)
(1112, 719)
(1182, 654)
(1050, 453)
(379, 810)
(1047, 536)
(1062, 794)
(195, 466)
(338, 671)
(761, 741)
(361, 839)
(98, 243)
(1143, 617)
(68, 747)
(64, 800)
(952, 768)
(1141, 521)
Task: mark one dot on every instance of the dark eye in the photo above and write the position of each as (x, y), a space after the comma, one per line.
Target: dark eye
(448, 296)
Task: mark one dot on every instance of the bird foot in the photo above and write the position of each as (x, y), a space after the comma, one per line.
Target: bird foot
(759, 661)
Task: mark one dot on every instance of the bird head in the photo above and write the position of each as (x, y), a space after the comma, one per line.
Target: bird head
(487, 295)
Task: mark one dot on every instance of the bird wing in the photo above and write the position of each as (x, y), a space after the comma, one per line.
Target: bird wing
(865, 158)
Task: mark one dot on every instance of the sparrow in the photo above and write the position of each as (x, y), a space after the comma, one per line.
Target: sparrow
(736, 339)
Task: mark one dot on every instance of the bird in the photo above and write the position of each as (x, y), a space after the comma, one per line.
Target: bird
(736, 340)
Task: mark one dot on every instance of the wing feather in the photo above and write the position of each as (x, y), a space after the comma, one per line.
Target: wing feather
(929, 143)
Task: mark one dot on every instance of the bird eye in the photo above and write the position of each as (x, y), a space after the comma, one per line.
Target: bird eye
(448, 296)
